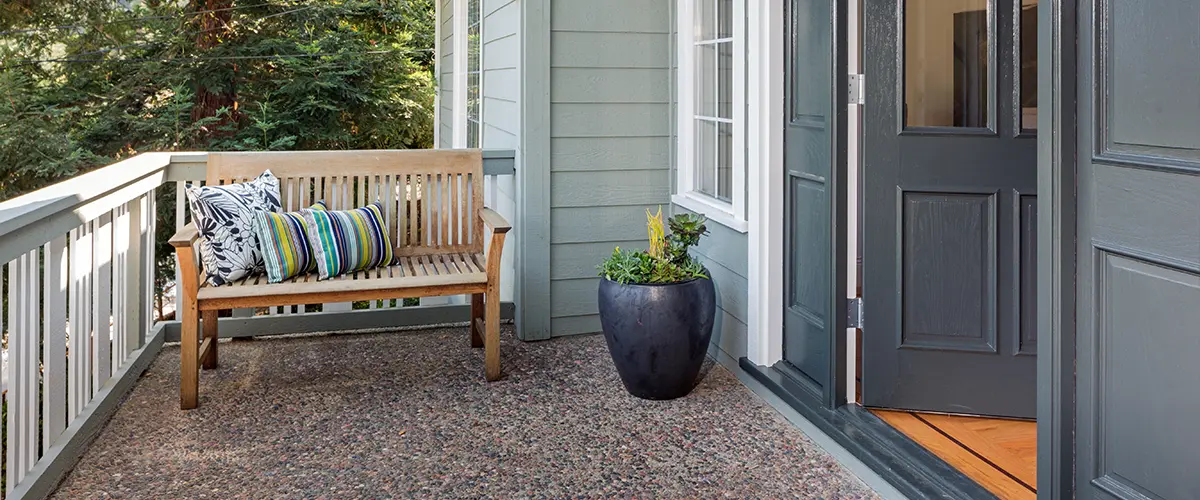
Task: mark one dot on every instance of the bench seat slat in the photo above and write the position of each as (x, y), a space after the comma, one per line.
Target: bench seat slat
(393, 277)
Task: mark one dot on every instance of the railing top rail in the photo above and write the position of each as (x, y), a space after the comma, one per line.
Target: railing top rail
(31, 220)
(192, 167)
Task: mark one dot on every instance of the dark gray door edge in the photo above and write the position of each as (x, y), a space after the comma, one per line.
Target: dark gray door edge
(913, 470)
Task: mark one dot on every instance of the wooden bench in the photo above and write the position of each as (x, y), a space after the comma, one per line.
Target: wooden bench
(433, 201)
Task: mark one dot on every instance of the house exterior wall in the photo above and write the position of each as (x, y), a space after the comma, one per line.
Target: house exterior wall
(501, 115)
(724, 251)
(445, 77)
(609, 142)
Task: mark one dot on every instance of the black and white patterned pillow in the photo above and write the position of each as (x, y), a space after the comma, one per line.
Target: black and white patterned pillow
(225, 217)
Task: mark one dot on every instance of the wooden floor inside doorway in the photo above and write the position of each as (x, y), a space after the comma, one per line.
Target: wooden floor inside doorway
(999, 454)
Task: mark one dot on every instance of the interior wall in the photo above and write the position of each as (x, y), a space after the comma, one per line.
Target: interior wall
(929, 59)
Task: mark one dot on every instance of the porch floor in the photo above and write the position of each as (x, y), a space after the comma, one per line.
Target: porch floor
(408, 413)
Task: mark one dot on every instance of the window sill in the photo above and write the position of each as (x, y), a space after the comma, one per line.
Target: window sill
(713, 211)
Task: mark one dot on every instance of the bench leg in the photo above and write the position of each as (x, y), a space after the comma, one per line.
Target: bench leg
(210, 332)
(491, 348)
(476, 320)
(189, 380)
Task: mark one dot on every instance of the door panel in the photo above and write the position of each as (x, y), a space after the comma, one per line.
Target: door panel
(808, 158)
(1138, 269)
(949, 208)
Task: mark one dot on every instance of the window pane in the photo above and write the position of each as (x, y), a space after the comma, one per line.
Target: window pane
(706, 20)
(472, 134)
(725, 157)
(473, 11)
(724, 18)
(1029, 64)
(725, 82)
(473, 95)
(473, 48)
(946, 63)
(706, 157)
(706, 80)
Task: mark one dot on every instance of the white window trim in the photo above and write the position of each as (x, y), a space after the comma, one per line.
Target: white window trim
(461, 59)
(732, 213)
(467, 78)
(437, 70)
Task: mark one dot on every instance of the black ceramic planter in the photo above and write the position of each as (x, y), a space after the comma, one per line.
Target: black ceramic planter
(658, 334)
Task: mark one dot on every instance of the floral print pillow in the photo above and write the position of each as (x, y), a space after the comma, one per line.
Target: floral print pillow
(225, 217)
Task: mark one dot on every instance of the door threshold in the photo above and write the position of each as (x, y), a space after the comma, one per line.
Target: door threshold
(999, 454)
(899, 460)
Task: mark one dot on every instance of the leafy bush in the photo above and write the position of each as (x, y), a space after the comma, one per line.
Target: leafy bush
(667, 260)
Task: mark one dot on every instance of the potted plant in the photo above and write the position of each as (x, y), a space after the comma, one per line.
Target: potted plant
(657, 308)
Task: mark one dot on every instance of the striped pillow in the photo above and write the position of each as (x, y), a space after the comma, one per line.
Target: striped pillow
(348, 241)
(283, 241)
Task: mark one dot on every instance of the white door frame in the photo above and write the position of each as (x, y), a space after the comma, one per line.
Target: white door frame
(764, 72)
(854, 146)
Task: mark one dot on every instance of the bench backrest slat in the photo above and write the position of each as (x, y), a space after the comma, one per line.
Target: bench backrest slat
(431, 198)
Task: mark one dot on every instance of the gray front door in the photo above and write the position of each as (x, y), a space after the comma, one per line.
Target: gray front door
(950, 170)
(810, 148)
(1138, 250)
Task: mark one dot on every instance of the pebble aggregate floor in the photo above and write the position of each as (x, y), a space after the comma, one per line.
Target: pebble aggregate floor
(408, 414)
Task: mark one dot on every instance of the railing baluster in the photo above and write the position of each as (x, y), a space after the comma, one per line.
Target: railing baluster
(79, 355)
(102, 302)
(131, 293)
(120, 243)
(23, 338)
(54, 347)
(149, 233)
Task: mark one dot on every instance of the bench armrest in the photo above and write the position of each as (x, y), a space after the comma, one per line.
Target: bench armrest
(494, 220)
(186, 236)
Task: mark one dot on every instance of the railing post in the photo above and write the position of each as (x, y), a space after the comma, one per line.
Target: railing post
(180, 221)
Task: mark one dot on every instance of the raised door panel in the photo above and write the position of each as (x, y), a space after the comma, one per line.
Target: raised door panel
(808, 156)
(1138, 270)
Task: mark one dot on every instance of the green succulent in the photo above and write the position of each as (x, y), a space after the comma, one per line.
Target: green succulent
(676, 264)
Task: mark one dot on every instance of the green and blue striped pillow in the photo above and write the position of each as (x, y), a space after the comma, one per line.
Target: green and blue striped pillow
(283, 241)
(348, 241)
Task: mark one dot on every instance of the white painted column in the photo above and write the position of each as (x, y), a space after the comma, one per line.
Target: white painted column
(765, 46)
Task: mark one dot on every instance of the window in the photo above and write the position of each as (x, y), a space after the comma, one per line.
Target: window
(711, 156)
(946, 69)
(474, 73)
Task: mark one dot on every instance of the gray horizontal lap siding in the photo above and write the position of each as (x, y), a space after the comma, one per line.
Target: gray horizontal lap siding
(724, 254)
(501, 80)
(609, 142)
(500, 92)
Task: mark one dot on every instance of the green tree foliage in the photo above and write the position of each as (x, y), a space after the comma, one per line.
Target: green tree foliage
(85, 83)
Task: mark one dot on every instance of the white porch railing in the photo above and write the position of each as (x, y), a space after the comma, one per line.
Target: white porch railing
(80, 271)
(78, 315)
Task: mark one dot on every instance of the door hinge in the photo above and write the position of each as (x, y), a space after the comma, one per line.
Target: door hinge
(857, 89)
(854, 313)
